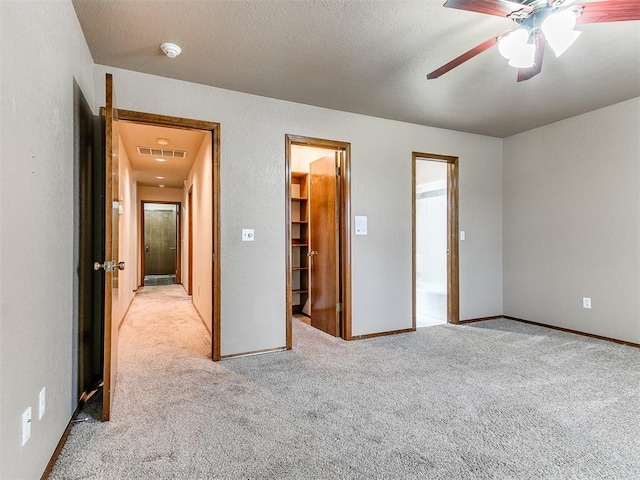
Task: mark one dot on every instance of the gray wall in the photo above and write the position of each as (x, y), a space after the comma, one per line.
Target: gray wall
(572, 223)
(572, 215)
(42, 51)
(253, 196)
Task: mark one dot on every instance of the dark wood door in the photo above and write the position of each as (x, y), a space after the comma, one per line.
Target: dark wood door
(324, 229)
(90, 244)
(160, 241)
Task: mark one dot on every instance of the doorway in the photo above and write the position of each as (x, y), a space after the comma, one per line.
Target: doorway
(161, 240)
(169, 211)
(435, 239)
(318, 287)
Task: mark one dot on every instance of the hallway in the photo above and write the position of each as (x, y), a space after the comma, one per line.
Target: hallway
(164, 355)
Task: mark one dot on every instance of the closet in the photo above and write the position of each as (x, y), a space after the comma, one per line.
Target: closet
(299, 242)
(315, 275)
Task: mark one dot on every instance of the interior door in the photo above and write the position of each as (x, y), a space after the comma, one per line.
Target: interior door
(111, 265)
(160, 240)
(324, 202)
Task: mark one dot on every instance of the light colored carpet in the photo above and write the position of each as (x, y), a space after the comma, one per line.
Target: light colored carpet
(496, 399)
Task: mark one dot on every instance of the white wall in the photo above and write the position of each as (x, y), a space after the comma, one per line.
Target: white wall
(157, 194)
(572, 223)
(200, 179)
(431, 226)
(42, 50)
(253, 196)
(127, 233)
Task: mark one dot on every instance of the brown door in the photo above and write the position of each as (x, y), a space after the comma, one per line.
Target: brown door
(160, 240)
(110, 265)
(324, 229)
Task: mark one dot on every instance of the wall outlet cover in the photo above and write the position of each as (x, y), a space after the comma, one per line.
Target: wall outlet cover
(26, 426)
(360, 222)
(42, 404)
(248, 235)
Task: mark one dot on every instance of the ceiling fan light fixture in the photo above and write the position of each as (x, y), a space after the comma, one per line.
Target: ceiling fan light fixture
(559, 32)
(516, 48)
(509, 44)
(525, 58)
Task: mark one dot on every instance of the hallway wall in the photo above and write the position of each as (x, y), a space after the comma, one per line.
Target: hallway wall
(200, 178)
(42, 50)
(253, 196)
(127, 237)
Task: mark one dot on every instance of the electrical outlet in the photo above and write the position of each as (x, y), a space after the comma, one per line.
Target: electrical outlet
(586, 302)
(41, 403)
(247, 235)
(26, 426)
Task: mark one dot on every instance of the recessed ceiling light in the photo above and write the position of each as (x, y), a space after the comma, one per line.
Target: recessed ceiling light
(161, 160)
(163, 141)
(160, 178)
(161, 186)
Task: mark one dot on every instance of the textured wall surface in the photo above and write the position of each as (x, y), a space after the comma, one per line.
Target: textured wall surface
(200, 180)
(572, 223)
(42, 51)
(253, 196)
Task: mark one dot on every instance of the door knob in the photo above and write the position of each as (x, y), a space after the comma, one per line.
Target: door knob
(108, 266)
(312, 253)
(98, 266)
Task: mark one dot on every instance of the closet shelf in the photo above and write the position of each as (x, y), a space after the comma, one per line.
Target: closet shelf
(299, 269)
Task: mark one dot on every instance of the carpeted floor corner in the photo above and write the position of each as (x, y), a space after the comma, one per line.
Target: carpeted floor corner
(491, 400)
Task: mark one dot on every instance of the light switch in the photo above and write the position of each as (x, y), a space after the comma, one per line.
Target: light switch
(361, 224)
(462, 235)
(247, 235)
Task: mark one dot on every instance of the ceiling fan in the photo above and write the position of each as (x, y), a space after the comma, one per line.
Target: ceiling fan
(538, 22)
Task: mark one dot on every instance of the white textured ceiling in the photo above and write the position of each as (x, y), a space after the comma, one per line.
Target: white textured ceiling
(368, 57)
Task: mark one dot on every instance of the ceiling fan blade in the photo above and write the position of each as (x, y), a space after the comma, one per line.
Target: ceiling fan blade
(527, 73)
(609, 11)
(500, 8)
(463, 58)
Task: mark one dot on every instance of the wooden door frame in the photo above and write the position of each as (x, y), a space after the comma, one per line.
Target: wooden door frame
(178, 240)
(345, 229)
(453, 267)
(214, 129)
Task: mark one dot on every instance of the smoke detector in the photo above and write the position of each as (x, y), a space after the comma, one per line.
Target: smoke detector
(171, 50)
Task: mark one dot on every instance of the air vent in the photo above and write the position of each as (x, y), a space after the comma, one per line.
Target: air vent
(161, 152)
